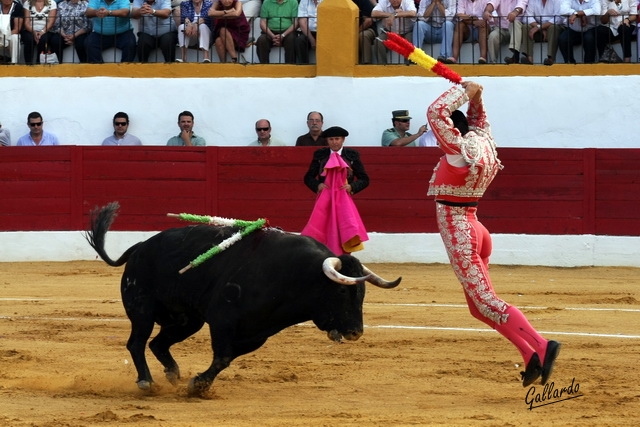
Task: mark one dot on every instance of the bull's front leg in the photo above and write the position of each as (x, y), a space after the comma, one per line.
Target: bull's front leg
(201, 383)
(222, 343)
(225, 350)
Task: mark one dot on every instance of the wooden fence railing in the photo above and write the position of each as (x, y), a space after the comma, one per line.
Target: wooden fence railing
(540, 191)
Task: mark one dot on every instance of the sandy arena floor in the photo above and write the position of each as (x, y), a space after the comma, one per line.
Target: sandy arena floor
(423, 360)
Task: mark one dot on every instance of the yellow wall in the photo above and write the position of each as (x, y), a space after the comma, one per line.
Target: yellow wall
(337, 54)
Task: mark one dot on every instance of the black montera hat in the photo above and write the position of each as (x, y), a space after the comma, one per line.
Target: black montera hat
(335, 131)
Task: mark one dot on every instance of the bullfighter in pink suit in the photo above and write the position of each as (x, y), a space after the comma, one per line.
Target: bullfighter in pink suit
(336, 173)
(459, 181)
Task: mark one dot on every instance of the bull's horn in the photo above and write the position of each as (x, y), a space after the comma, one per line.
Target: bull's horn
(330, 267)
(378, 281)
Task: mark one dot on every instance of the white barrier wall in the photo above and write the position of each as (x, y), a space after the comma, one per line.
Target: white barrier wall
(508, 249)
(550, 112)
(557, 112)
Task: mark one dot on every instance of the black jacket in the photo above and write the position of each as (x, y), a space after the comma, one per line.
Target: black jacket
(356, 176)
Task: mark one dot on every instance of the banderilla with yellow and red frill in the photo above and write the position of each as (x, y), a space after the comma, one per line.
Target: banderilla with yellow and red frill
(404, 47)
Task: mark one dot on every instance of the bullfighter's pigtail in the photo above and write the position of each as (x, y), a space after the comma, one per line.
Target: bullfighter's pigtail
(404, 47)
(246, 228)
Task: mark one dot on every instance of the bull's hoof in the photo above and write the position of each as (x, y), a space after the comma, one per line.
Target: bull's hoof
(197, 387)
(173, 378)
(172, 375)
(144, 385)
(335, 336)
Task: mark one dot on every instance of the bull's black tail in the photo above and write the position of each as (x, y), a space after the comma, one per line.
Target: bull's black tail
(101, 220)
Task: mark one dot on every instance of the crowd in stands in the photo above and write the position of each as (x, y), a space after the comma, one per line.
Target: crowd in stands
(397, 135)
(45, 28)
(518, 24)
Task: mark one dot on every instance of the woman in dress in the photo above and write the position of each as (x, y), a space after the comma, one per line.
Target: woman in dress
(39, 19)
(231, 28)
(73, 26)
(194, 26)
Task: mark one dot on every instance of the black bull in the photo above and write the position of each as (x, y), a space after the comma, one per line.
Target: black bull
(264, 283)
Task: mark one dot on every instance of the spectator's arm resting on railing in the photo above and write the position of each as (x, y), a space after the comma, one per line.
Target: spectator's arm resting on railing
(366, 23)
(303, 24)
(27, 20)
(488, 10)
(235, 12)
(517, 11)
(51, 20)
(265, 28)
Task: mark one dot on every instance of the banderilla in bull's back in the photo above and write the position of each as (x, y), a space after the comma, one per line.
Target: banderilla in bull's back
(246, 227)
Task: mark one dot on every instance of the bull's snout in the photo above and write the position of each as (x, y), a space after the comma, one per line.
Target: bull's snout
(353, 335)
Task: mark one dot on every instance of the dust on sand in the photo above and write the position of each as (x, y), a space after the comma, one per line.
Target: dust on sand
(423, 360)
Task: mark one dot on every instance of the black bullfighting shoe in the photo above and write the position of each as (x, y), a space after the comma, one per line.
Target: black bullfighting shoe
(553, 350)
(533, 371)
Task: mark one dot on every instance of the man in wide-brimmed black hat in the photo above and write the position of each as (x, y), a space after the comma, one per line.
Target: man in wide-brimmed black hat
(358, 179)
(335, 173)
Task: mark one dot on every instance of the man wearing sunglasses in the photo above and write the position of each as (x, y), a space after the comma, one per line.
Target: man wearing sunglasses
(37, 135)
(399, 134)
(263, 130)
(120, 135)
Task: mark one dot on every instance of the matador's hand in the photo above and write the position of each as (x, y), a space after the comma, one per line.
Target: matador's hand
(472, 89)
(321, 187)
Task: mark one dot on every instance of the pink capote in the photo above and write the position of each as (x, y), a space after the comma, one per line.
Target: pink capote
(335, 220)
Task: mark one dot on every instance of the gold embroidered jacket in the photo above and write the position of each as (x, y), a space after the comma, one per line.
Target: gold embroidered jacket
(477, 148)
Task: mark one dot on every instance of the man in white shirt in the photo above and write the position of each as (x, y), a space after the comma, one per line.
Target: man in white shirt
(397, 16)
(509, 29)
(308, 28)
(544, 22)
(581, 29)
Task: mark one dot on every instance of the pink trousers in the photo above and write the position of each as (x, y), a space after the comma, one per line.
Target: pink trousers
(468, 244)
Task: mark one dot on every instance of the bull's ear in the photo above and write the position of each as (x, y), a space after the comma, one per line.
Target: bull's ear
(330, 267)
(378, 281)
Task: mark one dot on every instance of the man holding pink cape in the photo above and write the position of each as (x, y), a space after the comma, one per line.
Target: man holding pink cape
(335, 174)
